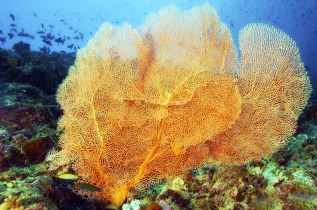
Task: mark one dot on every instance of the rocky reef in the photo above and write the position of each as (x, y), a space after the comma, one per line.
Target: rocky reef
(28, 121)
(28, 130)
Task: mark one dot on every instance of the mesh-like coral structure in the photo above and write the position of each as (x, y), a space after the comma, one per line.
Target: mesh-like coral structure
(145, 104)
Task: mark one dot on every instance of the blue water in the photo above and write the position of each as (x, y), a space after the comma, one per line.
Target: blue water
(76, 21)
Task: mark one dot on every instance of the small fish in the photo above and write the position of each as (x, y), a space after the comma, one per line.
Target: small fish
(88, 187)
(42, 25)
(3, 40)
(47, 42)
(68, 176)
(22, 34)
(10, 35)
(70, 46)
(13, 25)
(59, 40)
(12, 16)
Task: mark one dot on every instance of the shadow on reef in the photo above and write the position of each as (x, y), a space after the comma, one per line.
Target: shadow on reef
(28, 122)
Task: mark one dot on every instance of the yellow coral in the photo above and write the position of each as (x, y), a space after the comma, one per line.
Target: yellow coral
(142, 105)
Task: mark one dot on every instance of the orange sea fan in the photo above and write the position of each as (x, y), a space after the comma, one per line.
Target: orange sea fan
(150, 103)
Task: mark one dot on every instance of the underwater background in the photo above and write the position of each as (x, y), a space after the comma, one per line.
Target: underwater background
(75, 22)
(38, 43)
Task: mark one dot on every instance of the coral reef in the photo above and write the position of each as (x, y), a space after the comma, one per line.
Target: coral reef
(149, 104)
(28, 122)
(28, 128)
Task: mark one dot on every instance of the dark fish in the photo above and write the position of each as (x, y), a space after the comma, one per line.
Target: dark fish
(22, 34)
(88, 187)
(62, 20)
(63, 51)
(10, 35)
(12, 16)
(51, 26)
(40, 32)
(306, 67)
(13, 25)
(81, 36)
(70, 27)
(34, 14)
(0, 31)
(31, 37)
(70, 46)
(3, 40)
(47, 42)
(42, 25)
(50, 36)
(13, 29)
(60, 40)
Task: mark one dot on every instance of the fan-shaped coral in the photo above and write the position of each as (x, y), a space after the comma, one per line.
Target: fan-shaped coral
(142, 105)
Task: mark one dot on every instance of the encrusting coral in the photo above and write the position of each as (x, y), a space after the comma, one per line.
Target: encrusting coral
(145, 104)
